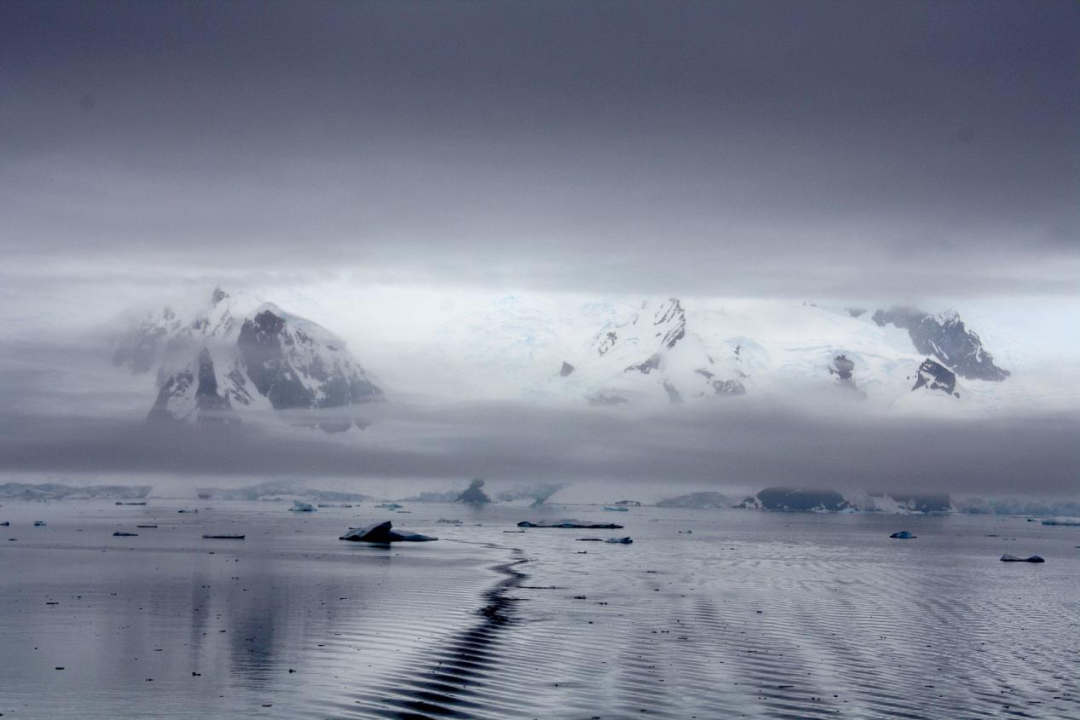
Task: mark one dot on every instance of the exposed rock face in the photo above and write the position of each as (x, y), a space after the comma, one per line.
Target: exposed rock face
(671, 320)
(948, 339)
(228, 358)
(566, 370)
(655, 341)
(291, 368)
(646, 366)
(933, 376)
(474, 494)
(842, 368)
(728, 387)
(703, 500)
(778, 498)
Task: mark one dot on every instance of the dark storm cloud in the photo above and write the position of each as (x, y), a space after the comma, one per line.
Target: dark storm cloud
(760, 147)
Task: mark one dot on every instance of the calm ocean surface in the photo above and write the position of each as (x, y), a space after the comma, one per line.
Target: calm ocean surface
(707, 614)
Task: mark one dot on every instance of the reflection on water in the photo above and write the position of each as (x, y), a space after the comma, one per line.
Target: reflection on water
(707, 614)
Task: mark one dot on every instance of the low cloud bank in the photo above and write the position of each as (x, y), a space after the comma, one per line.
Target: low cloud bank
(753, 444)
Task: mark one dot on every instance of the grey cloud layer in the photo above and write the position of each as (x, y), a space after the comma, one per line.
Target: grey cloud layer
(741, 444)
(771, 148)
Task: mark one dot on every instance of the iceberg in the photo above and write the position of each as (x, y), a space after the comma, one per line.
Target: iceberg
(301, 507)
(124, 534)
(383, 532)
(226, 536)
(903, 535)
(1012, 558)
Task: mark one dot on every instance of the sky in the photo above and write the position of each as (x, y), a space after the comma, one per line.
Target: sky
(888, 152)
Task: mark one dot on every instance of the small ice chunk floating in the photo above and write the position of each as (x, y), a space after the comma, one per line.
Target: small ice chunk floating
(569, 524)
(383, 532)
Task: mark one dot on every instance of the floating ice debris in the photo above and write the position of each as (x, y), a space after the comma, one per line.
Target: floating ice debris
(39, 523)
(620, 508)
(619, 541)
(223, 537)
(335, 505)
(382, 532)
(298, 506)
(124, 534)
(581, 539)
(146, 526)
(390, 506)
(142, 502)
(569, 524)
(444, 521)
(1012, 558)
(627, 503)
(185, 510)
(1068, 522)
(903, 535)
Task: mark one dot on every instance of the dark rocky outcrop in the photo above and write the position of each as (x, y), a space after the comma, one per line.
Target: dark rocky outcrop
(566, 370)
(934, 376)
(217, 362)
(804, 500)
(672, 315)
(842, 368)
(647, 365)
(474, 494)
(728, 387)
(948, 339)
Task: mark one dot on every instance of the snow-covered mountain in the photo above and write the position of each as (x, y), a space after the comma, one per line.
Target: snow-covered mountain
(238, 354)
(682, 351)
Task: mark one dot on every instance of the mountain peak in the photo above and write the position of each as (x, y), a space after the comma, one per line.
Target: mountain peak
(947, 338)
(237, 355)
